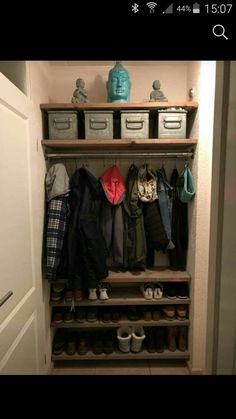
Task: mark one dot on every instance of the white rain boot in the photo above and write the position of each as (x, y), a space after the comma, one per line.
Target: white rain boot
(138, 336)
(92, 294)
(124, 338)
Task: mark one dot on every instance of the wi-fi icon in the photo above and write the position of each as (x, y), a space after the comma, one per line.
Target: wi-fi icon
(151, 6)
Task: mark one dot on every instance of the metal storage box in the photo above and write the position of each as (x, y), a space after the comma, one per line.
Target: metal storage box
(172, 123)
(134, 124)
(63, 125)
(98, 125)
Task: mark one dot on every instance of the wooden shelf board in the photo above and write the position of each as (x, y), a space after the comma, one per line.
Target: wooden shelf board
(118, 105)
(105, 325)
(145, 145)
(119, 355)
(148, 275)
(159, 274)
(119, 297)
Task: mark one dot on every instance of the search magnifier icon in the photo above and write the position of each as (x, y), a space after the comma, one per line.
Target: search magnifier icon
(219, 30)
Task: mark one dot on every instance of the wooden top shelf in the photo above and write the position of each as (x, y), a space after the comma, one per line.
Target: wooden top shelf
(117, 105)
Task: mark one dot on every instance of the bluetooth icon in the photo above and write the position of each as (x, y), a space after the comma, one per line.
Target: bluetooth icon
(135, 8)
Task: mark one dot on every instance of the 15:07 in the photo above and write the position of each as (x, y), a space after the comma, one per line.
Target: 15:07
(218, 8)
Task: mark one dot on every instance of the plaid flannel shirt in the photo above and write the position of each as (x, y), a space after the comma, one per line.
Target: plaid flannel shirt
(58, 215)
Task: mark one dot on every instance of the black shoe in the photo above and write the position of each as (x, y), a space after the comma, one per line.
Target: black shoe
(170, 291)
(160, 339)
(108, 343)
(133, 314)
(150, 341)
(182, 290)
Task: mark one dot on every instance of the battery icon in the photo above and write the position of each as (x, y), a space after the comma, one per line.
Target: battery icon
(196, 8)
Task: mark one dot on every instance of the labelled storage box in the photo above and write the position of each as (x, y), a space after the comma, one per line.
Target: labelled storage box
(62, 125)
(172, 123)
(98, 125)
(134, 124)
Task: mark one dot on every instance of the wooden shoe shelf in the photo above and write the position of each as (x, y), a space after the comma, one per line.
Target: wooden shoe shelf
(129, 295)
(125, 285)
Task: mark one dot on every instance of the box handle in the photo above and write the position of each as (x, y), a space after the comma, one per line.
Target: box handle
(172, 123)
(62, 123)
(97, 125)
(135, 125)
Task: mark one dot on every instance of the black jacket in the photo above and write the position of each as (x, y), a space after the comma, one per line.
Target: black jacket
(86, 245)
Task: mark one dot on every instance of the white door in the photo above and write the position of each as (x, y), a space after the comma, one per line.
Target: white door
(21, 315)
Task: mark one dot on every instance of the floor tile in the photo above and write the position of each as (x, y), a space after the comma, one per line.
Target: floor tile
(73, 368)
(123, 368)
(170, 367)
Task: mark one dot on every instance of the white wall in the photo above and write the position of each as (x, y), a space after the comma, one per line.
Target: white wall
(39, 92)
(226, 362)
(172, 75)
(201, 76)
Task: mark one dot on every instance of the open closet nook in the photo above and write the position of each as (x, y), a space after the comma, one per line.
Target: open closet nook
(117, 234)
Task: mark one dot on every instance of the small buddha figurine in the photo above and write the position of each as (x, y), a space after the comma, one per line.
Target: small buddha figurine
(157, 95)
(118, 84)
(80, 94)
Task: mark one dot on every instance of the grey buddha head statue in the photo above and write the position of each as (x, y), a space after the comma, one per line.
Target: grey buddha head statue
(118, 85)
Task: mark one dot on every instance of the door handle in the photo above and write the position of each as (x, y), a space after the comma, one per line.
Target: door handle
(5, 298)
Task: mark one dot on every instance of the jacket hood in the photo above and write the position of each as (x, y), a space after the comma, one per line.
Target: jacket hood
(113, 185)
(57, 181)
(147, 184)
(132, 204)
(83, 177)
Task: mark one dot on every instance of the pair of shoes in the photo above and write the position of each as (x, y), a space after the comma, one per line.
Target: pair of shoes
(103, 289)
(150, 314)
(151, 291)
(155, 340)
(103, 343)
(169, 312)
(130, 338)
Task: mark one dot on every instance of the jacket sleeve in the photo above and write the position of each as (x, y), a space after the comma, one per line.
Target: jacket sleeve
(57, 223)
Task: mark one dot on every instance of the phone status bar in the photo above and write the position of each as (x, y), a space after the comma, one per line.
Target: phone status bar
(153, 8)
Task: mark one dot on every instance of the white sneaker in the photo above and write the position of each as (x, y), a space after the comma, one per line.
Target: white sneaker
(92, 294)
(158, 291)
(147, 291)
(103, 294)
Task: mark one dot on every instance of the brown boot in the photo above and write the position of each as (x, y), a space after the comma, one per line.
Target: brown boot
(171, 338)
(182, 338)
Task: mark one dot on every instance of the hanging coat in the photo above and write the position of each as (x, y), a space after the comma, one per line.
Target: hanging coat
(134, 234)
(111, 214)
(179, 227)
(86, 246)
(57, 191)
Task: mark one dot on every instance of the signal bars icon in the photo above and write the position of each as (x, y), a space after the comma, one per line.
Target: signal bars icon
(151, 5)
